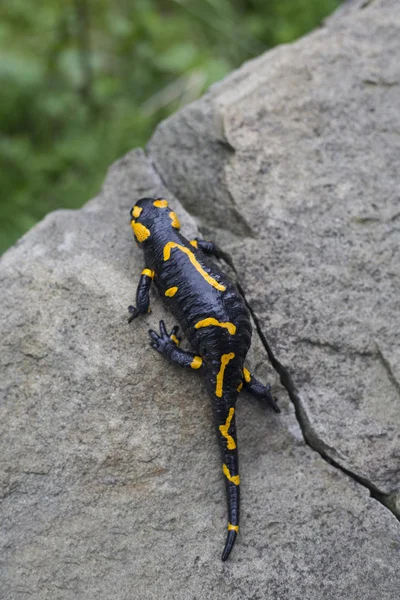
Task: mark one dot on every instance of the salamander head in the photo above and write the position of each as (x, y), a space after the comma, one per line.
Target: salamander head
(149, 213)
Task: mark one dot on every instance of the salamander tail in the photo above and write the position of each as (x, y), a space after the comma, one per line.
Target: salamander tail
(230, 540)
(225, 420)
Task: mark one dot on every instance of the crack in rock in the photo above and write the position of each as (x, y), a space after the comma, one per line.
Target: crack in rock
(387, 367)
(310, 436)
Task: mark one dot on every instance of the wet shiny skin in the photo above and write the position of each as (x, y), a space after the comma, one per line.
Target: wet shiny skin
(214, 318)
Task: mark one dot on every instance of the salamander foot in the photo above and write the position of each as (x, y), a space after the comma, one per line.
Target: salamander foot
(161, 341)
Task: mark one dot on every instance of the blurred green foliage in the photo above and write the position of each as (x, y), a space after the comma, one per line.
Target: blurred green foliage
(84, 81)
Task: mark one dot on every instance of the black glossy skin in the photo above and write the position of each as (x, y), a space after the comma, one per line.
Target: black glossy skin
(195, 300)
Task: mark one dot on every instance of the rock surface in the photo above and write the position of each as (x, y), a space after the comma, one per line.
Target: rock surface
(110, 477)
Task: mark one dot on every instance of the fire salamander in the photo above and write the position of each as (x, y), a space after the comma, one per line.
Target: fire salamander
(214, 318)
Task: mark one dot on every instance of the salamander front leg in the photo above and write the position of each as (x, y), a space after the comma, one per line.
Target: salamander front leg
(258, 390)
(167, 344)
(213, 250)
(142, 295)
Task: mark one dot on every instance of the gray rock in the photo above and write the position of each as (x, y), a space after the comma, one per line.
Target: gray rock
(110, 477)
(304, 166)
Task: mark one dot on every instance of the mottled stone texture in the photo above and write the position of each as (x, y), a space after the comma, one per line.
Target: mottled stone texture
(110, 474)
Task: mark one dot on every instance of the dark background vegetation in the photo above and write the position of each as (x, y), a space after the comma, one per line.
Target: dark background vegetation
(84, 81)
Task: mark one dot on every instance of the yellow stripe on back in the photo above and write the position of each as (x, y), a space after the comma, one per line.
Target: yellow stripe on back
(233, 527)
(233, 479)
(211, 321)
(167, 253)
(225, 358)
(231, 445)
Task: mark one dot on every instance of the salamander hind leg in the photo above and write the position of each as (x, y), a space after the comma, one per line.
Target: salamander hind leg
(258, 390)
(167, 344)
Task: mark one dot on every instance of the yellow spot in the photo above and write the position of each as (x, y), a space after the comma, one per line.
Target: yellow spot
(171, 291)
(211, 321)
(160, 203)
(246, 375)
(148, 272)
(225, 358)
(196, 362)
(194, 243)
(175, 221)
(141, 232)
(233, 527)
(174, 339)
(136, 210)
(195, 263)
(235, 479)
(224, 430)
(239, 388)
